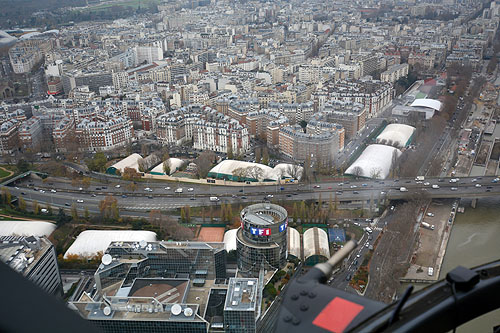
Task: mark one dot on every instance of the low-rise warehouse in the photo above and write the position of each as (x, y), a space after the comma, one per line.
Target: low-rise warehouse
(316, 247)
(26, 228)
(375, 162)
(246, 171)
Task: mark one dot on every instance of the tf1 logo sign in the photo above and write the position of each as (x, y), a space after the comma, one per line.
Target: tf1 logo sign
(283, 226)
(260, 232)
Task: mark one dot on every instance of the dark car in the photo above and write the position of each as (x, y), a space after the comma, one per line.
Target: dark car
(150, 197)
(355, 192)
(124, 196)
(240, 190)
(348, 277)
(289, 195)
(67, 204)
(243, 197)
(23, 193)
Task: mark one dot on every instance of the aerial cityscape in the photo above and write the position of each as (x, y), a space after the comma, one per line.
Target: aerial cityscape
(192, 166)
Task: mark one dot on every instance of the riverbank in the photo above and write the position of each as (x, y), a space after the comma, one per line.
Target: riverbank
(440, 215)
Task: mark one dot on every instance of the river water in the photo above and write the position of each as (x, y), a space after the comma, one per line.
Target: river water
(474, 240)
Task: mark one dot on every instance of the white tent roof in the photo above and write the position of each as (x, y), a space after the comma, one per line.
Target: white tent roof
(428, 103)
(128, 162)
(375, 160)
(285, 168)
(26, 228)
(316, 238)
(175, 164)
(228, 166)
(281, 170)
(89, 242)
(230, 240)
(293, 242)
(398, 133)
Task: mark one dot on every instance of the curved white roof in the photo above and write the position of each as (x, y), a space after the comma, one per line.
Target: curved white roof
(175, 164)
(26, 228)
(228, 166)
(397, 133)
(316, 243)
(90, 242)
(230, 240)
(131, 161)
(427, 103)
(293, 242)
(375, 162)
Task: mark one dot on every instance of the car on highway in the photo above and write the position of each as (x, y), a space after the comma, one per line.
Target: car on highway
(353, 186)
(80, 189)
(93, 195)
(317, 186)
(430, 214)
(270, 196)
(358, 255)
(435, 186)
(124, 196)
(147, 189)
(427, 184)
(355, 192)
(338, 192)
(67, 204)
(167, 188)
(23, 193)
(383, 192)
(118, 186)
(150, 197)
(179, 190)
(190, 189)
(348, 277)
(478, 185)
(364, 184)
(53, 191)
(79, 200)
(192, 198)
(454, 189)
(243, 197)
(367, 244)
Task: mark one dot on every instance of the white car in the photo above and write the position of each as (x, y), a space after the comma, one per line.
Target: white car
(190, 189)
(167, 188)
(353, 186)
(454, 188)
(427, 184)
(42, 191)
(435, 186)
(270, 196)
(53, 191)
(79, 201)
(147, 189)
(430, 214)
(382, 193)
(478, 185)
(118, 186)
(430, 272)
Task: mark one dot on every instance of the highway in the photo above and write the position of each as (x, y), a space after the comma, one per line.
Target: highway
(160, 198)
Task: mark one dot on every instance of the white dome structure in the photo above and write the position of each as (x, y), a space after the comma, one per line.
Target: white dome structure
(293, 243)
(398, 135)
(316, 247)
(174, 163)
(90, 242)
(374, 162)
(26, 228)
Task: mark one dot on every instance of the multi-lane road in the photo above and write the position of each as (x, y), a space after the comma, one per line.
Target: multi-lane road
(162, 196)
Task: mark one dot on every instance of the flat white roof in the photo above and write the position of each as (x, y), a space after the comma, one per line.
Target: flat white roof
(280, 170)
(428, 103)
(90, 242)
(131, 161)
(293, 242)
(375, 162)
(26, 228)
(399, 134)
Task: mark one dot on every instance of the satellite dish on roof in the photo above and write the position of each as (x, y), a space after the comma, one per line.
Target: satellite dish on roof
(176, 309)
(107, 311)
(188, 312)
(143, 243)
(107, 259)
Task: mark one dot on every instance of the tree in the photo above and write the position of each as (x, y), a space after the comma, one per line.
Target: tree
(295, 212)
(258, 154)
(230, 154)
(357, 171)
(74, 212)
(130, 174)
(62, 218)
(49, 209)
(375, 173)
(22, 204)
(166, 167)
(265, 156)
(98, 162)
(22, 165)
(132, 187)
(142, 165)
(294, 171)
(36, 207)
(6, 196)
(109, 207)
(239, 174)
(255, 172)
(86, 214)
(303, 124)
(204, 163)
(86, 182)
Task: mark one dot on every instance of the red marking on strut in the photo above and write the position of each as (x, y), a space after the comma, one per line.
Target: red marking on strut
(337, 315)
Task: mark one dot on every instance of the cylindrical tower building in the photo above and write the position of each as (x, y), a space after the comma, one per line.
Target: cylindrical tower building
(262, 238)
